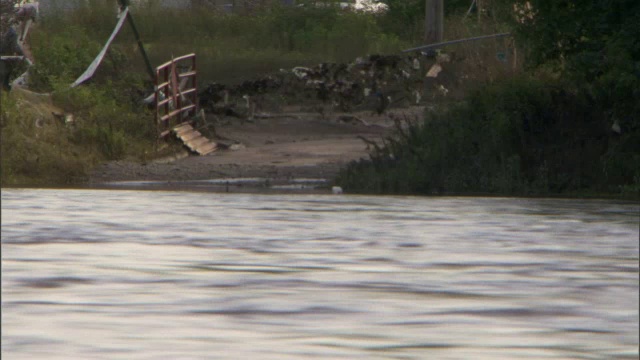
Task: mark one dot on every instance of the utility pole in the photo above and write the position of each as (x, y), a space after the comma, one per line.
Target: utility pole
(434, 21)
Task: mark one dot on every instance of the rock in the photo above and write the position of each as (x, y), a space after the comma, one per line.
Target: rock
(301, 72)
(616, 128)
(236, 147)
(443, 58)
(434, 71)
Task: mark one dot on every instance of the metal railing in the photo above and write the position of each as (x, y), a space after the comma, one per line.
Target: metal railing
(176, 93)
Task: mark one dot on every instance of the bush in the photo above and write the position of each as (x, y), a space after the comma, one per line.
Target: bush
(553, 135)
(520, 136)
(60, 57)
(109, 121)
(597, 50)
(37, 155)
(237, 46)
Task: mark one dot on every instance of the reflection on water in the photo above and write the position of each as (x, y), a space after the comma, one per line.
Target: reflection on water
(105, 274)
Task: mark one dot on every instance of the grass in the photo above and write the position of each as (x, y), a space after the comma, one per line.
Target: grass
(111, 124)
(35, 150)
(234, 47)
(521, 136)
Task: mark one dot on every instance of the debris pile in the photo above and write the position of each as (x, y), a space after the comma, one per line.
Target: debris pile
(374, 83)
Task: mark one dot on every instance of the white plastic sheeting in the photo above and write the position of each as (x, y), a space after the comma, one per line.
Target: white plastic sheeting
(96, 62)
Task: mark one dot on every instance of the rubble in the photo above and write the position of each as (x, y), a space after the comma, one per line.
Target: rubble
(371, 83)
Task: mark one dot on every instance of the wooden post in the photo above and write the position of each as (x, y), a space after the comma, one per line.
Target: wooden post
(434, 21)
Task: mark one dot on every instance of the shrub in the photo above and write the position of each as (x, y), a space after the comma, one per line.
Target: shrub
(36, 155)
(520, 136)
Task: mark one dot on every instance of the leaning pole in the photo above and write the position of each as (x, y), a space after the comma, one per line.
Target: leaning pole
(123, 5)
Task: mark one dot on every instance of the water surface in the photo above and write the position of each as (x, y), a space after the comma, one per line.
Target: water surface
(113, 274)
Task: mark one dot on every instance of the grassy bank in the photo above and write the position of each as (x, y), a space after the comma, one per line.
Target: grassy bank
(109, 122)
(234, 47)
(568, 126)
(521, 136)
(55, 140)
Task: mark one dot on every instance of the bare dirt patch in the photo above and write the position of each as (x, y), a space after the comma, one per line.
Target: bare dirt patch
(288, 146)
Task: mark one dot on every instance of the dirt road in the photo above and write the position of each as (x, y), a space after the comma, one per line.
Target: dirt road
(282, 148)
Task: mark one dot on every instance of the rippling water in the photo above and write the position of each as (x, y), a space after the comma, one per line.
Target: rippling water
(106, 274)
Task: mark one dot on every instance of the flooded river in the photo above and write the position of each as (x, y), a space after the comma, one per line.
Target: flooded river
(118, 274)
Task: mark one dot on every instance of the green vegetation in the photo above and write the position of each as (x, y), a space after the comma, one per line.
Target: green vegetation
(520, 136)
(233, 47)
(406, 17)
(34, 155)
(109, 121)
(42, 146)
(549, 130)
(568, 126)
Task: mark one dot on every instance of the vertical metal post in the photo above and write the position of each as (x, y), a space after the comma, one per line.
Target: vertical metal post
(433, 21)
(157, 126)
(167, 109)
(176, 76)
(195, 85)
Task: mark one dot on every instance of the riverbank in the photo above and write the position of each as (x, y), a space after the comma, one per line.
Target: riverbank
(490, 128)
(282, 150)
(321, 58)
(522, 137)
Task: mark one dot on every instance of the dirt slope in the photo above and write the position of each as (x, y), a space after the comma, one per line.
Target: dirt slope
(280, 149)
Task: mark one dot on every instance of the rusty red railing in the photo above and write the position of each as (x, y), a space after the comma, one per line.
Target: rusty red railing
(176, 95)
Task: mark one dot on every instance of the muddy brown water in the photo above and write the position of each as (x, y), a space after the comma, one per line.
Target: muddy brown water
(119, 274)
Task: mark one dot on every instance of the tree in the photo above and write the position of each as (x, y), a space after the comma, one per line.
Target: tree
(6, 14)
(574, 34)
(594, 44)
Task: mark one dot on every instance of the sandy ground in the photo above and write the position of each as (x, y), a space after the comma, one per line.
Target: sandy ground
(280, 149)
